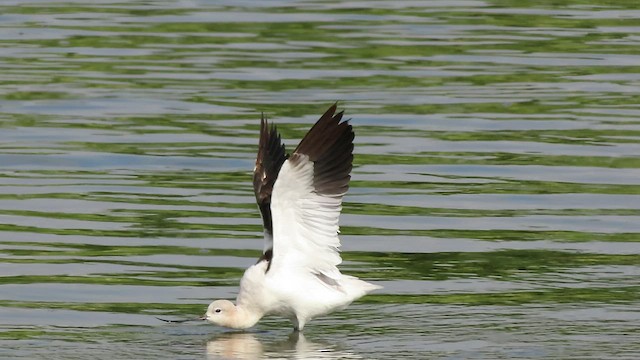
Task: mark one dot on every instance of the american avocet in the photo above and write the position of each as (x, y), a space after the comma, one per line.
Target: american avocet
(300, 198)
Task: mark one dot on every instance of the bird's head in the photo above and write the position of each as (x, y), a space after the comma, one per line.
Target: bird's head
(222, 313)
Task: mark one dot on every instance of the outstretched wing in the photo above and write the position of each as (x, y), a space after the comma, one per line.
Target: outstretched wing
(271, 156)
(307, 197)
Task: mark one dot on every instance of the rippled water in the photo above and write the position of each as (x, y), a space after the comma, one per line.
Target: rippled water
(495, 193)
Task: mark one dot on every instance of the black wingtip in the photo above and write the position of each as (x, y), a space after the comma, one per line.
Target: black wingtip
(271, 156)
(329, 144)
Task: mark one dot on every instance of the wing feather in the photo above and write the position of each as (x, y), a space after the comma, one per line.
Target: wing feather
(307, 197)
(271, 156)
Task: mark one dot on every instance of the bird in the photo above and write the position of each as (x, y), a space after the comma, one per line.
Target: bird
(299, 196)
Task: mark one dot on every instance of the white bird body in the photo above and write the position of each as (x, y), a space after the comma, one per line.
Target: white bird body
(300, 198)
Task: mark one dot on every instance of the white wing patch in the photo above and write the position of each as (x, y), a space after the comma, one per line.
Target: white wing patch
(305, 223)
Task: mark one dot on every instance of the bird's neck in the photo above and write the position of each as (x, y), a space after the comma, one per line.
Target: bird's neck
(244, 318)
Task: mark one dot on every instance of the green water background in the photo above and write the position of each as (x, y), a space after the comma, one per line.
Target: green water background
(495, 192)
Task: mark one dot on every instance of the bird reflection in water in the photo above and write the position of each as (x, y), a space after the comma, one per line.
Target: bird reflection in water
(247, 346)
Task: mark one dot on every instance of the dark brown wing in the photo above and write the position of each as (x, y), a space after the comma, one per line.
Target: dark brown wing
(329, 144)
(271, 156)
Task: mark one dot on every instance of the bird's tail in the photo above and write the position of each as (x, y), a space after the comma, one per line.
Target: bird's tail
(358, 288)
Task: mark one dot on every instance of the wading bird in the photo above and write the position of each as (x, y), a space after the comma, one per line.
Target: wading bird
(300, 199)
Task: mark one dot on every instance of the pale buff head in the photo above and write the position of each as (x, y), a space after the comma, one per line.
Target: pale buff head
(225, 313)
(221, 312)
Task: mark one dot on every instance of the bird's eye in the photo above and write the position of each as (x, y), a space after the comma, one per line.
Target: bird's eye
(218, 310)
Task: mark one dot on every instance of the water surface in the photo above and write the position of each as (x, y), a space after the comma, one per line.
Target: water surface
(495, 190)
